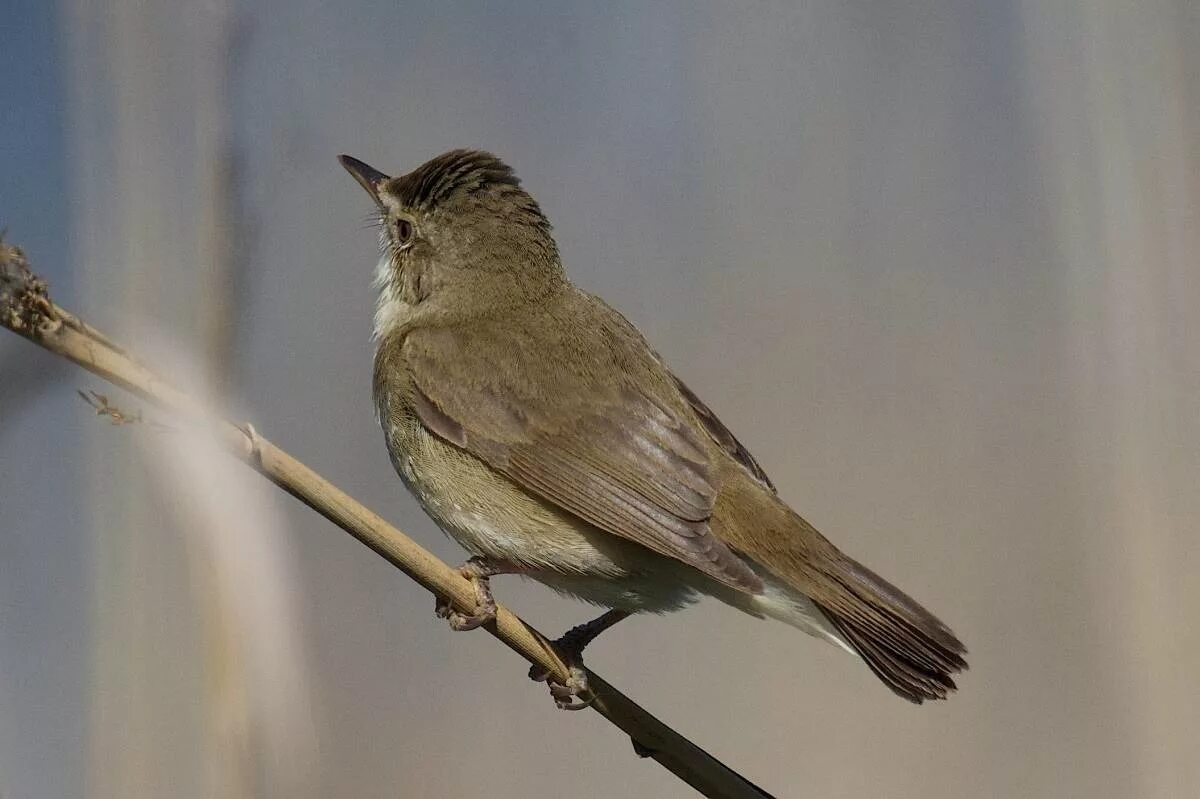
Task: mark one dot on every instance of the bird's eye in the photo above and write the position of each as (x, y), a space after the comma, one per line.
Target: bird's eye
(404, 231)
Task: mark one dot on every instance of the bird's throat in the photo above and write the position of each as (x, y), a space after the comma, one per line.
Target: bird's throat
(392, 307)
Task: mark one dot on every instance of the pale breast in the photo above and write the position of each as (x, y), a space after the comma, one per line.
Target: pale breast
(487, 513)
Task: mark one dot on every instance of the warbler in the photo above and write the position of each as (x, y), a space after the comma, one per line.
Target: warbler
(540, 430)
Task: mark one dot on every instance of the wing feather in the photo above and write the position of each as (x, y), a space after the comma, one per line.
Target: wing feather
(626, 457)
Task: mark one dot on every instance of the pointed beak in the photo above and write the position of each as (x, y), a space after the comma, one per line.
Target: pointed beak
(367, 176)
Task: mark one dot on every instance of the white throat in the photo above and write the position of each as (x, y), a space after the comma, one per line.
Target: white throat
(390, 310)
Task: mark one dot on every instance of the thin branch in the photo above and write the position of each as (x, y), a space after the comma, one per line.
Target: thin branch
(26, 309)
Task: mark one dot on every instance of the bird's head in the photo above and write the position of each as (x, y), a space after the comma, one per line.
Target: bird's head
(460, 234)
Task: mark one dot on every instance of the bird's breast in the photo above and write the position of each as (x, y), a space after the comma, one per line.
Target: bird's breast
(481, 509)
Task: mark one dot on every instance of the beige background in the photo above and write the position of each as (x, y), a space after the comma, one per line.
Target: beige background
(935, 263)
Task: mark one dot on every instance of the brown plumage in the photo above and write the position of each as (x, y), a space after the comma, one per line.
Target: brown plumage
(540, 430)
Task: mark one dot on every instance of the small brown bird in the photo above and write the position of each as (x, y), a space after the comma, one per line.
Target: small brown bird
(539, 430)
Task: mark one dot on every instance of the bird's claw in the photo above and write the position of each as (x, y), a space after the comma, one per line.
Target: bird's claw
(485, 603)
(574, 694)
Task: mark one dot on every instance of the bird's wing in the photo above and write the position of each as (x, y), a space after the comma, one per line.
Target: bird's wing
(589, 421)
(722, 435)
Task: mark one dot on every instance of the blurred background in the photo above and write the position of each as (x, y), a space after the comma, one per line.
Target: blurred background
(951, 249)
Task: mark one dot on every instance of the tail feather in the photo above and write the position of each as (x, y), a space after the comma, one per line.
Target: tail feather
(907, 647)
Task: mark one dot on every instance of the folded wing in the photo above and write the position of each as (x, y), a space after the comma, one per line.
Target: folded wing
(574, 423)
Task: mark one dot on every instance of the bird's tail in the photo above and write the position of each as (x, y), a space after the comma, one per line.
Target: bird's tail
(912, 652)
(814, 586)
(906, 646)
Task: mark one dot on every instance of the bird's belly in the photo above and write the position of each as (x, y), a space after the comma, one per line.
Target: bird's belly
(489, 515)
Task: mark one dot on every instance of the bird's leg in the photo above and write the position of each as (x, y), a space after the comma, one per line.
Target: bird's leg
(477, 570)
(574, 693)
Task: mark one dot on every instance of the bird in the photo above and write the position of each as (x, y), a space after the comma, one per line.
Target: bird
(540, 430)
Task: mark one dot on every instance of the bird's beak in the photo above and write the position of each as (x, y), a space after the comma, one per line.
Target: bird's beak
(367, 176)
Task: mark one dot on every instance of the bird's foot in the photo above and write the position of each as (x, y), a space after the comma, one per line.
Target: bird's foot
(477, 570)
(574, 694)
